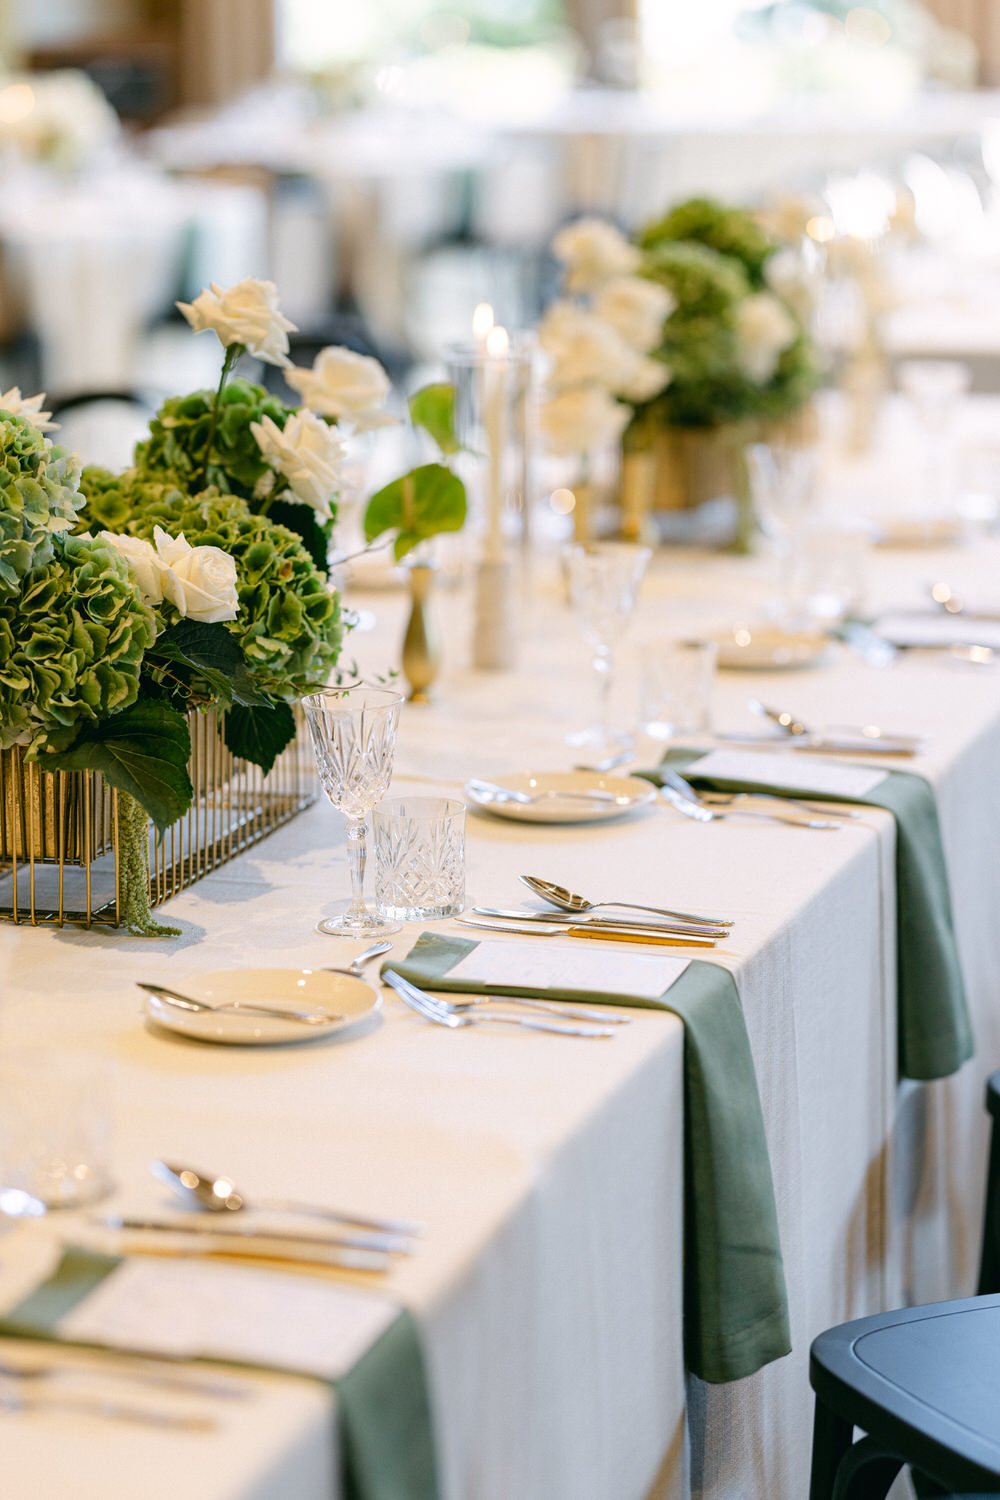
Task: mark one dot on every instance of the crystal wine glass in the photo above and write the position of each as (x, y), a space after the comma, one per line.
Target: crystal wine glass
(604, 579)
(354, 735)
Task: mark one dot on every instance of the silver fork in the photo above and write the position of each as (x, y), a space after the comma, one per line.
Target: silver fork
(14, 1400)
(425, 1005)
(476, 1002)
(725, 799)
(130, 1370)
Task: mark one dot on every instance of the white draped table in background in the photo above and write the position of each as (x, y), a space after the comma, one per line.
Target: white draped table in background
(548, 1290)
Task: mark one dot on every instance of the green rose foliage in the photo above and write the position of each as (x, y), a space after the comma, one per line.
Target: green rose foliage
(709, 389)
(38, 498)
(71, 644)
(730, 231)
(175, 448)
(289, 625)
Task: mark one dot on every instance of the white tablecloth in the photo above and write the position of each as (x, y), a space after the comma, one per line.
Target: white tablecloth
(549, 1171)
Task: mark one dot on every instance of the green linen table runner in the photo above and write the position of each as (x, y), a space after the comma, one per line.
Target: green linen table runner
(934, 1029)
(735, 1303)
(387, 1442)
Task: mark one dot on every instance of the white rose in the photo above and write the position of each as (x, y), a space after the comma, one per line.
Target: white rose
(592, 251)
(351, 387)
(582, 419)
(144, 564)
(245, 314)
(636, 309)
(307, 452)
(199, 581)
(648, 378)
(764, 328)
(28, 407)
(585, 349)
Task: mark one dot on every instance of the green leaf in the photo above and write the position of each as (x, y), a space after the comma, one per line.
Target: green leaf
(423, 503)
(259, 734)
(215, 653)
(144, 750)
(433, 409)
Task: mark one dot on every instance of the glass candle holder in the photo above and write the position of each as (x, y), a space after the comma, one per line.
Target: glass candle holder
(492, 382)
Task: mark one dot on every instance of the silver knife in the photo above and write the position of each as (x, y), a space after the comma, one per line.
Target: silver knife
(615, 924)
(588, 930)
(200, 1239)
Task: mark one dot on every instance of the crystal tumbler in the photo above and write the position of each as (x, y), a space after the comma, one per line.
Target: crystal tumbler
(419, 858)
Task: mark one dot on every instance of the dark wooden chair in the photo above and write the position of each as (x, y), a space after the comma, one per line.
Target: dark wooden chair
(923, 1384)
(989, 1265)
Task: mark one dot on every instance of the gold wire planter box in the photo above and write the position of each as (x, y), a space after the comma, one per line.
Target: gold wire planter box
(59, 829)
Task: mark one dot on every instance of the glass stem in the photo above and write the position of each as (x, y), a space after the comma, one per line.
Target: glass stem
(603, 667)
(356, 852)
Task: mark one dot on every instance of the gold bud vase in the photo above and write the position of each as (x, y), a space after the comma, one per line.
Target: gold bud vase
(421, 646)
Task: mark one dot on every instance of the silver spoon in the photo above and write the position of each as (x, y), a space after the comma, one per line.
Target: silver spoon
(794, 729)
(315, 1017)
(610, 762)
(219, 1195)
(558, 895)
(354, 967)
(784, 721)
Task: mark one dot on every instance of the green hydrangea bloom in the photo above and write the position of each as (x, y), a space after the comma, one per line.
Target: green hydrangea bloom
(175, 448)
(71, 644)
(38, 498)
(709, 388)
(111, 501)
(289, 624)
(730, 231)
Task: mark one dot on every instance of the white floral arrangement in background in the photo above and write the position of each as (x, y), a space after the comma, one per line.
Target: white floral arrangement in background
(600, 341)
(59, 119)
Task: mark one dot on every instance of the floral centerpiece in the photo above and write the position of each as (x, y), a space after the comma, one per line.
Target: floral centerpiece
(698, 326)
(195, 579)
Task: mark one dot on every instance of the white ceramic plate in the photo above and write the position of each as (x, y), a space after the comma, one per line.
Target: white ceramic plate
(560, 808)
(766, 648)
(284, 989)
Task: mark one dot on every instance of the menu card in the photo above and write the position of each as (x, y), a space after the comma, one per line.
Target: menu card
(188, 1310)
(808, 775)
(559, 964)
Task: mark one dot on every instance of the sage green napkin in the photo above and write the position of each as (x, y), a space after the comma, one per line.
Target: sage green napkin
(387, 1440)
(735, 1305)
(934, 1030)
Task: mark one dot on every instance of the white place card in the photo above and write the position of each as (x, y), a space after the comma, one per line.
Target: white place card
(559, 964)
(190, 1309)
(938, 630)
(822, 777)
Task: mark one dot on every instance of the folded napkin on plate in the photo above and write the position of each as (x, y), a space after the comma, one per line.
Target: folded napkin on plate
(934, 1030)
(735, 1304)
(387, 1442)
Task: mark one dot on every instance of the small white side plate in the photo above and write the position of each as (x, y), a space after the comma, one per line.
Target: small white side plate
(285, 989)
(766, 648)
(557, 809)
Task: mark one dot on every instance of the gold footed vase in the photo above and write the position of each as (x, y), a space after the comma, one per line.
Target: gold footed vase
(684, 468)
(421, 644)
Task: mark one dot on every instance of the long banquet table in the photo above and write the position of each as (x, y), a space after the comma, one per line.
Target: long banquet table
(549, 1171)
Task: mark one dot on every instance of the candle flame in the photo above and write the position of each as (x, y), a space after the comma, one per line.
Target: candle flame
(482, 320)
(497, 342)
